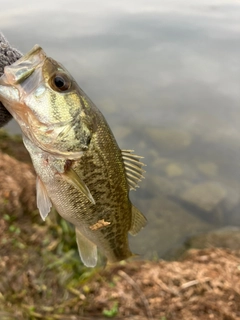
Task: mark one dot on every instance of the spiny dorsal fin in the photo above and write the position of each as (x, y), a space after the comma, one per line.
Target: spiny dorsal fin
(138, 221)
(133, 168)
(44, 203)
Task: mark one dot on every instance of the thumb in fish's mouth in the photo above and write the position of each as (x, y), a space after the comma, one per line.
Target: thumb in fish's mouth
(9, 55)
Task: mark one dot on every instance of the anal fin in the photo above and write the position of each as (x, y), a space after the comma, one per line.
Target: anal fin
(87, 250)
(44, 203)
(138, 221)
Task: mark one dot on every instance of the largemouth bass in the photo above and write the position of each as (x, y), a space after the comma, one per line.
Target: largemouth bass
(80, 169)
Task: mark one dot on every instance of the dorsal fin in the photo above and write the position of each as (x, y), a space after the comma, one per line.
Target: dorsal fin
(133, 167)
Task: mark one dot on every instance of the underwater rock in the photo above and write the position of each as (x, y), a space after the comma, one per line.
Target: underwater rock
(108, 106)
(173, 170)
(167, 139)
(121, 133)
(157, 161)
(159, 185)
(231, 205)
(162, 185)
(168, 226)
(209, 169)
(206, 196)
(233, 217)
(227, 237)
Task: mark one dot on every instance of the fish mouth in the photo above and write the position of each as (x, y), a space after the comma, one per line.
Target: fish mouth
(24, 67)
(29, 77)
(20, 79)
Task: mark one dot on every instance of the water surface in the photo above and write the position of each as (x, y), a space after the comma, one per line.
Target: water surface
(166, 75)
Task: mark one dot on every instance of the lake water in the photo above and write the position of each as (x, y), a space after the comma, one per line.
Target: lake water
(166, 76)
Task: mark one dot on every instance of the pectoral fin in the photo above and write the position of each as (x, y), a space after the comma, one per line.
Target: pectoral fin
(44, 203)
(73, 178)
(87, 250)
(138, 221)
(133, 168)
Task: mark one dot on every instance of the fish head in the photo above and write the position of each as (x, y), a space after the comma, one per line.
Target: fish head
(47, 104)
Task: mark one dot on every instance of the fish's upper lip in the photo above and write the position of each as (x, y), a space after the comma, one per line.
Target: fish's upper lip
(23, 67)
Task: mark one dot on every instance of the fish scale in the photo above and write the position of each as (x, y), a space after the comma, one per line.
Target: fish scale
(80, 168)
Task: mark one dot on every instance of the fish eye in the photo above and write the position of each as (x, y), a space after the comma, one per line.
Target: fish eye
(60, 82)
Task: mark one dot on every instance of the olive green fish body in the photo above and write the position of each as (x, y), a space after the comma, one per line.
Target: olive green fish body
(80, 168)
(102, 170)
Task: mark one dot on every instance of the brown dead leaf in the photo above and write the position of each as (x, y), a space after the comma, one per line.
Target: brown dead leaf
(100, 224)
